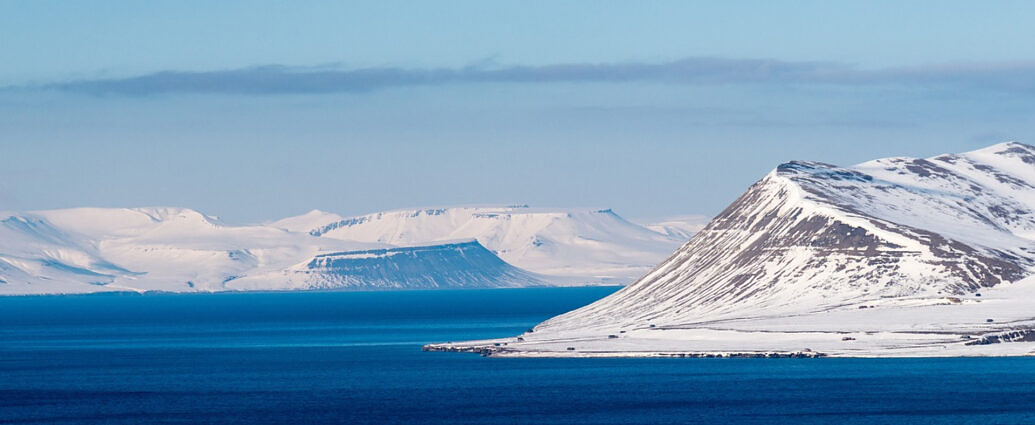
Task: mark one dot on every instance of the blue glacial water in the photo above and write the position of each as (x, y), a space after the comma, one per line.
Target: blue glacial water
(354, 358)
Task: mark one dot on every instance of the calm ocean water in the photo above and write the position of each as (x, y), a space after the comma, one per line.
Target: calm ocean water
(339, 357)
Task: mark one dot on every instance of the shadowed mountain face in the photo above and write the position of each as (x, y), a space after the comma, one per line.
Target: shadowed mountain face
(454, 265)
(810, 236)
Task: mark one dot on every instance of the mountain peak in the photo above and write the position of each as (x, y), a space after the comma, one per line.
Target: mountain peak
(1014, 150)
(886, 228)
(306, 222)
(1006, 147)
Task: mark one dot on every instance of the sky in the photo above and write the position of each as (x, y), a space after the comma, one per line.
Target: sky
(253, 111)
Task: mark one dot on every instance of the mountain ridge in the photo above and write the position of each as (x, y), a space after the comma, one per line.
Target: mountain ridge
(809, 240)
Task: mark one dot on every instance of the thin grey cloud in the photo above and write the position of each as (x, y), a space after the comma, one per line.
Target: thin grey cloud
(278, 79)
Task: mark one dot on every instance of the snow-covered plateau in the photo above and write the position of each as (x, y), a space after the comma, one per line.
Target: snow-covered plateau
(594, 245)
(84, 250)
(891, 257)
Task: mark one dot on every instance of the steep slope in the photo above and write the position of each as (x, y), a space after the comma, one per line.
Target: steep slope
(592, 246)
(811, 238)
(464, 264)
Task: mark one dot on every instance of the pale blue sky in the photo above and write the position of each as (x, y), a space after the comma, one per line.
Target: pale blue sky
(257, 110)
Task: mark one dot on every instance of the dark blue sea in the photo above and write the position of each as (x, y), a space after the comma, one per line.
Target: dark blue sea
(354, 358)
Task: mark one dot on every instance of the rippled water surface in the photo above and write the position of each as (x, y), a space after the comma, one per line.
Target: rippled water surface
(341, 357)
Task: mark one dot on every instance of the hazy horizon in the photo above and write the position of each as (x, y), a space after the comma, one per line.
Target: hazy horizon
(258, 111)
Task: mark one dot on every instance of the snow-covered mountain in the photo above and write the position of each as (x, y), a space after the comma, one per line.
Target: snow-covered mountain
(166, 249)
(306, 222)
(594, 246)
(180, 250)
(679, 227)
(465, 264)
(895, 248)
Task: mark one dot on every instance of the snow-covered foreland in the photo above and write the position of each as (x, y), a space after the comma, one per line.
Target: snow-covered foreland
(892, 257)
(180, 250)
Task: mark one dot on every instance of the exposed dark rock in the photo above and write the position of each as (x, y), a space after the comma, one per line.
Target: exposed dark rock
(1021, 335)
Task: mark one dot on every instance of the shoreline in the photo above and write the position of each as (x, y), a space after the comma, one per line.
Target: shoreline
(509, 353)
(1017, 342)
(498, 352)
(132, 292)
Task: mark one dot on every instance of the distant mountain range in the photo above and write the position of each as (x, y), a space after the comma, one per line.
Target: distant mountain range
(597, 244)
(181, 250)
(897, 256)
